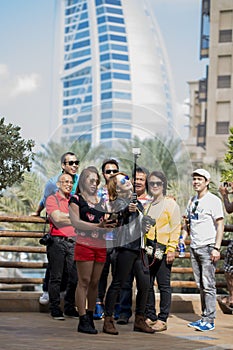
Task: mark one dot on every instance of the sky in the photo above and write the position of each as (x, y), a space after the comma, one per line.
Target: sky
(27, 40)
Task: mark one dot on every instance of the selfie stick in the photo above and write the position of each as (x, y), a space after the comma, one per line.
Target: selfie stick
(136, 152)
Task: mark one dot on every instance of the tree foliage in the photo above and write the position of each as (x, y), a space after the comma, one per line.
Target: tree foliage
(16, 155)
(227, 172)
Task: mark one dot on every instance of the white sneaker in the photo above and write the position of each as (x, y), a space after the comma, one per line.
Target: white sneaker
(44, 298)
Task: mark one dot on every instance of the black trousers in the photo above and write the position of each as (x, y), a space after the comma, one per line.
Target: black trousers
(128, 260)
(109, 263)
(61, 253)
(162, 272)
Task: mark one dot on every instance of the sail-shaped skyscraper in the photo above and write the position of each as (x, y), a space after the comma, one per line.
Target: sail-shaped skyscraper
(115, 80)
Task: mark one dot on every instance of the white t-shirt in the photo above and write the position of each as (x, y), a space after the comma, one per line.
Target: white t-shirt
(203, 214)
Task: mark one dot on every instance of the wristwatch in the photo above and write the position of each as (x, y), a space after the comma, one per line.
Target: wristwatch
(218, 249)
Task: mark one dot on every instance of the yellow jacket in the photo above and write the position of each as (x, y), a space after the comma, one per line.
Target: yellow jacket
(168, 222)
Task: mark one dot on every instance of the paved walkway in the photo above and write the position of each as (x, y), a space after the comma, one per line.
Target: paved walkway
(35, 331)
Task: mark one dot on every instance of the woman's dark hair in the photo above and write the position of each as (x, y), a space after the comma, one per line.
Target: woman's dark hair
(83, 176)
(112, 186)
(162, 177)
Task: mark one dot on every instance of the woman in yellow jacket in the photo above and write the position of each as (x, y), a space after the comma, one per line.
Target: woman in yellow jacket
(165, 235)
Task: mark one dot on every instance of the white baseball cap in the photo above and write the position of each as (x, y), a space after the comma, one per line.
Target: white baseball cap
(202, 172)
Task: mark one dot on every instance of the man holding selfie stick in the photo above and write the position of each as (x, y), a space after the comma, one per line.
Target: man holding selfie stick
(226, 303)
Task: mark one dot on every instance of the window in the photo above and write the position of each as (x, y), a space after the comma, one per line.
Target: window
(117, 29)
(113, 2)
(122, 135)
(121, 76)
(120, 66)
(104, 47)
(102, 29)
(106, 86)
(103, 38)
(114, 10)
(222, 128)
(106, 126)
(115, 19)
(105, 76)
(117, 56)
(106, 115)
(117, 47)
(106, 135)
(106, 95)
(84, 118)
(118, 38)
(225, 36)
(122, 95)
(224, 82)
(104, 57)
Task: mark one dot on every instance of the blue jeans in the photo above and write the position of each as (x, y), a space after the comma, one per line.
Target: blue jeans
(61, 253)
(204, 274)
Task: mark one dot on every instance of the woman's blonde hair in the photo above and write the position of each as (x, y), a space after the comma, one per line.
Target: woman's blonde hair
(112, 185)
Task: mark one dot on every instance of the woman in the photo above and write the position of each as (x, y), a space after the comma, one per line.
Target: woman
(87, 216)
(166, 233)
(129, 256)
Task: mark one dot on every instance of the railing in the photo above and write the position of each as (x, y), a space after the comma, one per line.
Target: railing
(8, 283)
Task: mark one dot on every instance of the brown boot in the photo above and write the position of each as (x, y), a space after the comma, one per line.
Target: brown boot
(109, 326)
(141, 326)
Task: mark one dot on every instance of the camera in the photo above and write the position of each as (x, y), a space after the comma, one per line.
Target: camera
(46, 239)
(146, 222)
(225, 184)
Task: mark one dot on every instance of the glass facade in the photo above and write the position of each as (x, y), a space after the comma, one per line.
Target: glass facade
(97, 72)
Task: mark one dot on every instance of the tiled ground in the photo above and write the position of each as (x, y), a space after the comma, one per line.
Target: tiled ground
(35, 331)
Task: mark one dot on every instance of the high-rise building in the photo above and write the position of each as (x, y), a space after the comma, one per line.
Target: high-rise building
(211, 107)
(115, 75)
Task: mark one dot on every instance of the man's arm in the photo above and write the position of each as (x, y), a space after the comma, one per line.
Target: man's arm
(60, 219)
(219, 235)
(227, 204)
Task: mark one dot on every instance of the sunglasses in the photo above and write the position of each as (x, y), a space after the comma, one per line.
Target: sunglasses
(111, 171)
(195, 207)
(72, 162)
(94, 182)
(123, 181)
(157, 183)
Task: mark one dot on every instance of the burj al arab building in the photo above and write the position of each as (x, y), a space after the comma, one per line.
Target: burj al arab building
(115, 79)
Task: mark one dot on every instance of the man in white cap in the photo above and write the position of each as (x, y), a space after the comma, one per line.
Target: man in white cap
(206, 226)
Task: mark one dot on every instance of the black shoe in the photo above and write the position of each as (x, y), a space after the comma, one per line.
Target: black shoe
(123, 320)
(72, 313)
(85, 326)
(57, 315)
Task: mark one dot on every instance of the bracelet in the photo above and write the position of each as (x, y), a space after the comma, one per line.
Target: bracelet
(215, 248)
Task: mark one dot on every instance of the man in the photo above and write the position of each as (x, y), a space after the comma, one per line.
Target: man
(69, 165)
(109, 166)
(140, 184)
(205, 214)
(61, 250)
(226, 303)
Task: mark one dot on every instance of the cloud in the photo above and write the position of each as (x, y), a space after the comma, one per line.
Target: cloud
(3, 70)
(25, 84)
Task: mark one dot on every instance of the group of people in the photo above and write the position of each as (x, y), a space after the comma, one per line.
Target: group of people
(93, 228)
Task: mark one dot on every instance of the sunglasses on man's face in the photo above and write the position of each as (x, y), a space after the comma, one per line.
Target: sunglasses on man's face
(111, 171)
(72, 162)
(124, 179)
(157, 183)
